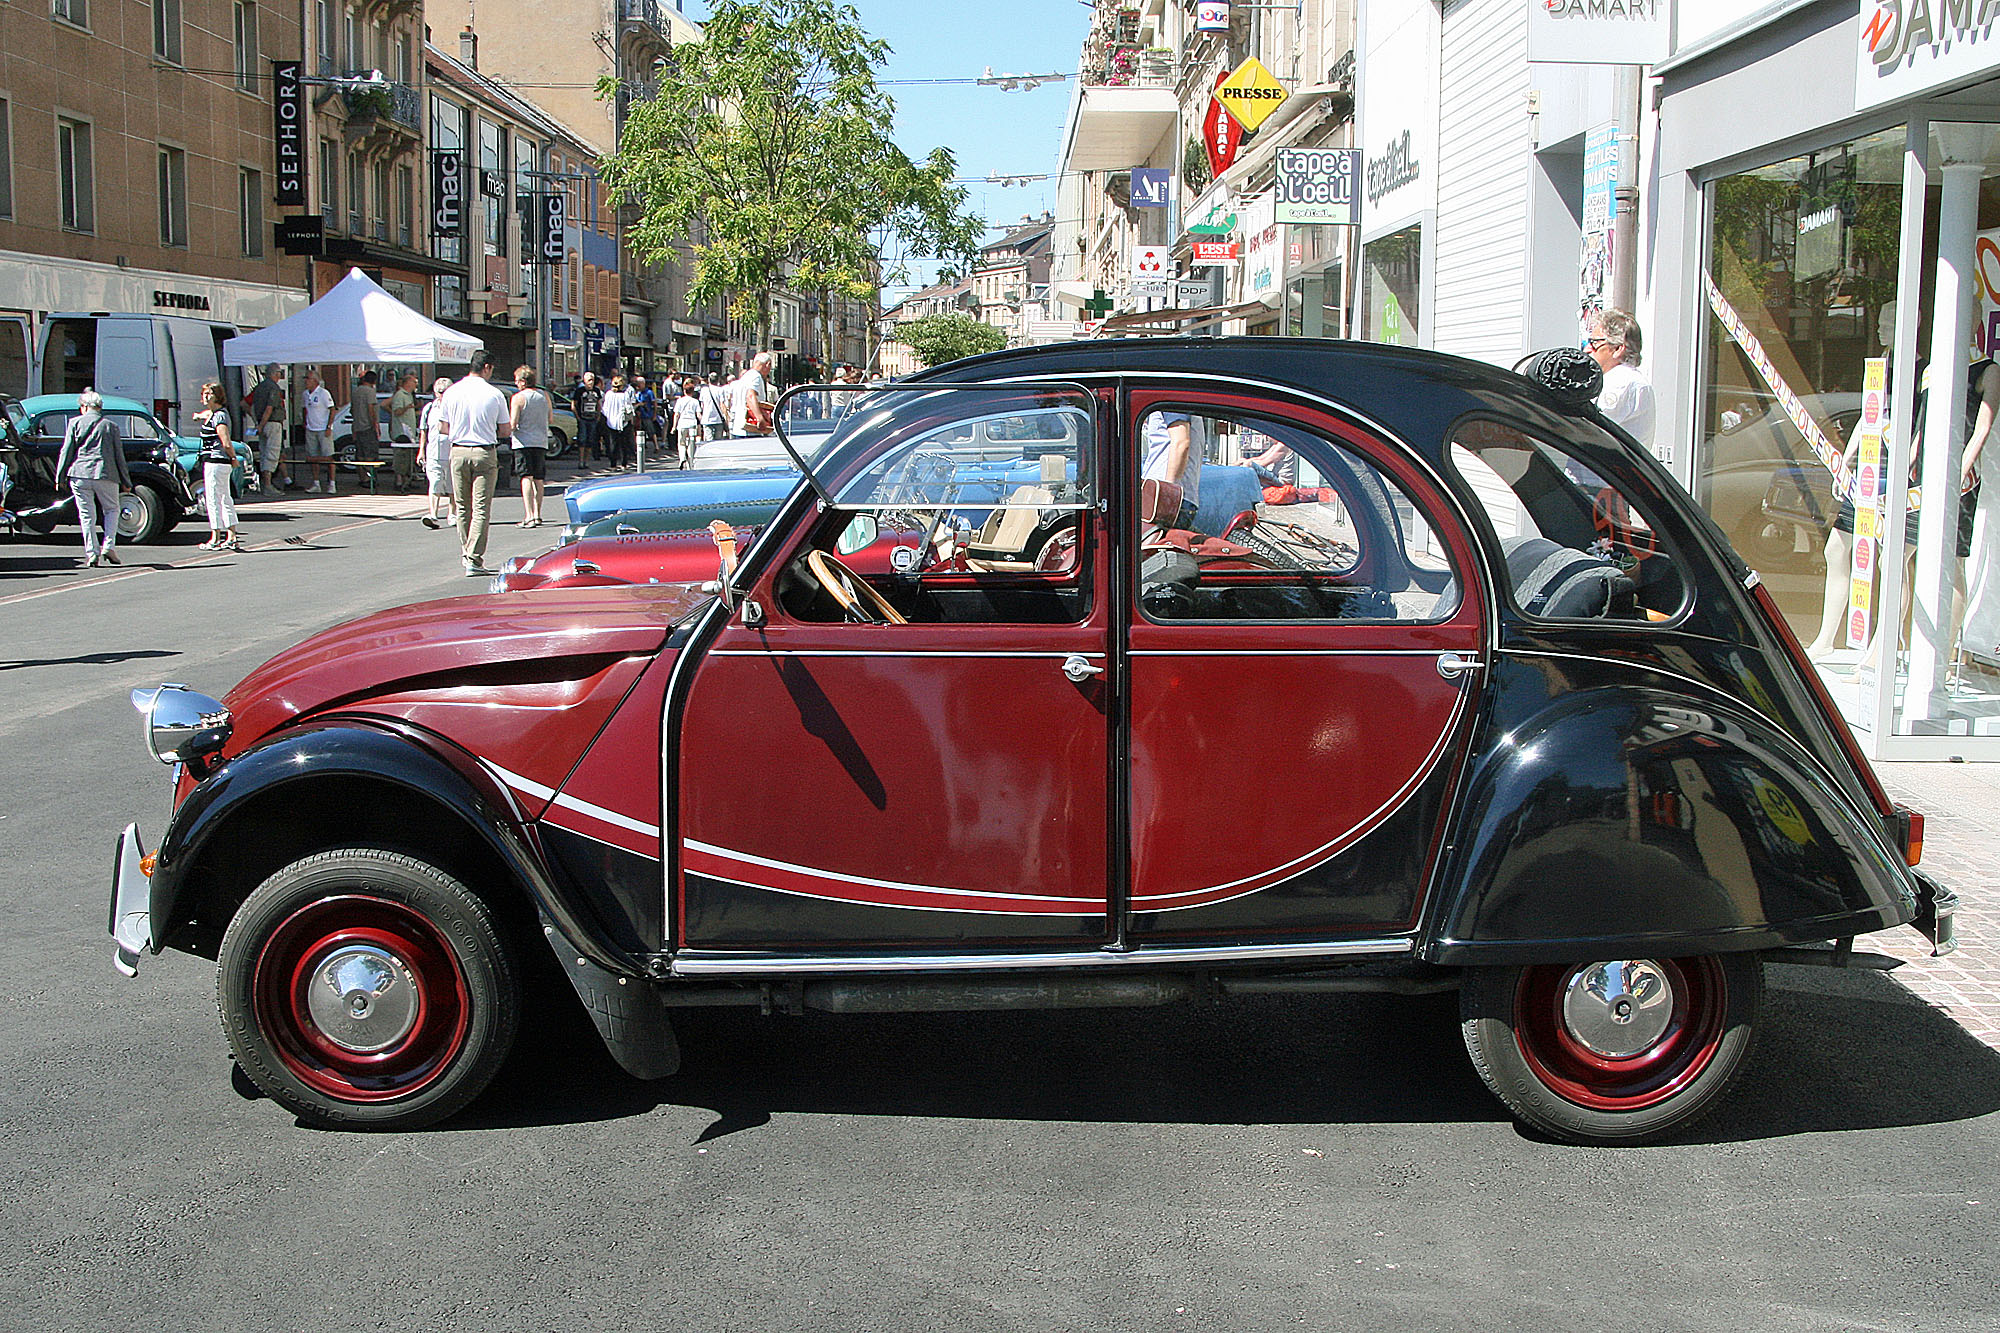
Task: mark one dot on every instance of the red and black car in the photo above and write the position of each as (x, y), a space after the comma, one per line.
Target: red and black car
(1461, 692)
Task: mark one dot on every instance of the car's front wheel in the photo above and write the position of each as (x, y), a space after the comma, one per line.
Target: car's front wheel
(1620, 1051)
(558, 442)
(143, 514)
(365, 989)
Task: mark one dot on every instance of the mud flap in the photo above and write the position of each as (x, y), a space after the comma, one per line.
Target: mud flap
(626, 1010)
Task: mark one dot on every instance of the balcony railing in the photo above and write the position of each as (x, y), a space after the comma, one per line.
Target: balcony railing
(646, 13)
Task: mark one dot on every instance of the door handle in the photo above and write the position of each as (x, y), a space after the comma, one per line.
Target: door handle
(1078, 668)
(1453, 665)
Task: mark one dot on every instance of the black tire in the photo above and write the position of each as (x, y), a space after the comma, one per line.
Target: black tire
(1539, 1053)
(558, 442)
(143, 514)
(434, 994)
(344, 453)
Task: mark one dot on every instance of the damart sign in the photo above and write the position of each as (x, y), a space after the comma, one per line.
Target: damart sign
(1600, 32)
(1913, 46)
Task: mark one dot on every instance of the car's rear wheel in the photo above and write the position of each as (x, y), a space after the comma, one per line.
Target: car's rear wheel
(1622, 1051)
(558, 442)
(365, 989)
(142, 514)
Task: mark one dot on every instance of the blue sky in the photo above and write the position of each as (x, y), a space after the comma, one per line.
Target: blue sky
(993, 133)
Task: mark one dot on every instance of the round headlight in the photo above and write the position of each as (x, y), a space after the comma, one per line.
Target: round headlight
(180, 724)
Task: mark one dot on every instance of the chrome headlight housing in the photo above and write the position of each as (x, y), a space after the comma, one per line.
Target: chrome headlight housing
(181, 725)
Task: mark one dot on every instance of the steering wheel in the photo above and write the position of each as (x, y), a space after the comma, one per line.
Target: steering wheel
(856, 597)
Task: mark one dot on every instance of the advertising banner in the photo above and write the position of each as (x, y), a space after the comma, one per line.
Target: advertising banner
(1221, 136)
(1600, 32)
(1149, 187)
(552, 250)
(1319, 186)
(1867, 501)
(1910, 46)
(1600, 203)
(1217, 254)
(447, 193)
(1150, 261)
(1213, 214)
(288, 126)
(1211, 16)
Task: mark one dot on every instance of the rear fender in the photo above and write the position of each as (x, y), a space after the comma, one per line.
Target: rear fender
(1625, 818)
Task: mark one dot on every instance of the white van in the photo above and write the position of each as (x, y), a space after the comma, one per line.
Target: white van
(158, 359)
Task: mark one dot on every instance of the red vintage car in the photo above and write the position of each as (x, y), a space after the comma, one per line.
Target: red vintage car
(1479, 701)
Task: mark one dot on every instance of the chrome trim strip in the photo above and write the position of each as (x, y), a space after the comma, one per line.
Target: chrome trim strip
(1287, 652)
(713, 962)
(886, 652)
(131, 903)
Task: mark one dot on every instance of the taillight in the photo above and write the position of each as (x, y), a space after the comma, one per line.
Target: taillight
(1827, 708)
(160, 407)
(1910, 833)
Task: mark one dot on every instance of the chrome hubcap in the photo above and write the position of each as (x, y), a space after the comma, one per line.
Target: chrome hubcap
(363, 998)
(1618, 1009)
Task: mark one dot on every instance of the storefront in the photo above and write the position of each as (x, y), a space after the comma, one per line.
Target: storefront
(1810, 247)
(1399, 142)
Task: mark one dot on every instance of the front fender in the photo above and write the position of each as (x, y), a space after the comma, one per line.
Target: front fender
(1621, 817)
(289, 763)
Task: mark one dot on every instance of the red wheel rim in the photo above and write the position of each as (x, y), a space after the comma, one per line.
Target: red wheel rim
(291, 995)
(1628, 1081)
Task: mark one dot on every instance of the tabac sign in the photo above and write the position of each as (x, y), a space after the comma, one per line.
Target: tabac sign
(1600, 32)
(1912, 46)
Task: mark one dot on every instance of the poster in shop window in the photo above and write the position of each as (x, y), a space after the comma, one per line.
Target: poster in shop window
(1600, 196)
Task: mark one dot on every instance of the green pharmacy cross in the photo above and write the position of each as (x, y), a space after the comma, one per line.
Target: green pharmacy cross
(1099, 305)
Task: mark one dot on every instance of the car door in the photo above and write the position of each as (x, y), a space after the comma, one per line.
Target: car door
(943, 779)
(1298, 679)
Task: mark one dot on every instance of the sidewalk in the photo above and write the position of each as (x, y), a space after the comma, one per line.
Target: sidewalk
(1961, 808)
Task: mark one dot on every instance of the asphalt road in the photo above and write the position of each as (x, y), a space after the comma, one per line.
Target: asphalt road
(1318, 1163)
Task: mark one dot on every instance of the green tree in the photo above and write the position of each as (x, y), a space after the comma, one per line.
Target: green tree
(949, 335)
(767, 150)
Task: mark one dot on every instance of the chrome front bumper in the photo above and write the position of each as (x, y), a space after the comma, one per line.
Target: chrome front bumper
(131, 903)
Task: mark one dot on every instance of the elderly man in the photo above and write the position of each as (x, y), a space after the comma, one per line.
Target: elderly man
(1626, 398)
(750, 398)
(317, 407)
(267, 418)
(475, 417)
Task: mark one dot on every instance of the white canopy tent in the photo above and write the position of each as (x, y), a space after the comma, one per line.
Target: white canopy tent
(357, 323)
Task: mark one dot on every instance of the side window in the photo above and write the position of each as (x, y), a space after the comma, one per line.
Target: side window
(1253, 519)
(977, 510)
(1576, 547)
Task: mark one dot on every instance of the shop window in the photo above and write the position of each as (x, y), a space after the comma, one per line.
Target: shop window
(1574, 546)
(1391, 286)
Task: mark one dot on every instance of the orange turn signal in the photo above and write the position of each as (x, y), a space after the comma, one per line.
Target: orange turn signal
(147, 862)
(1910, 823)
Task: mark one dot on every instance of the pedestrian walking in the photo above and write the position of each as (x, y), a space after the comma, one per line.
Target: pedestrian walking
(403, 429)
(218, 464)
(620, 407)
(267, 423)
(687, 423)
(476, 417)
(317, 405)
(589, 403)
(714, 408)
(645, 419)
(528, 410)
(93, 462)
(437, 455)
(365, 413)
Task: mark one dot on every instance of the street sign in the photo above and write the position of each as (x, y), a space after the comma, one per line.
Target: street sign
(1251, 93)
(1221, 136)
(1149, 187)
(1318, 186)
(1217, 254)
(1150, 261)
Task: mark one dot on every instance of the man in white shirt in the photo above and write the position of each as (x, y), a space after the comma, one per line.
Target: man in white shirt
(714, 408)
(476, 418)
(733, 391)
(317, 404)
(755, 393)
(1616, 346)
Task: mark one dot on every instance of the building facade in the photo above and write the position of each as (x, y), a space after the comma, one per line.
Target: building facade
(137, 166)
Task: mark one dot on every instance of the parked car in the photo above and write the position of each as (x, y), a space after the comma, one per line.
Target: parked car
(1492, 707)
(162, 492)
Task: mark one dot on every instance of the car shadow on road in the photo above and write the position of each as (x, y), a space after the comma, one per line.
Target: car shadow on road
(1837, 1051)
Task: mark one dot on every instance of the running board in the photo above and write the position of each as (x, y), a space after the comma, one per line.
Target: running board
(732, 963)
